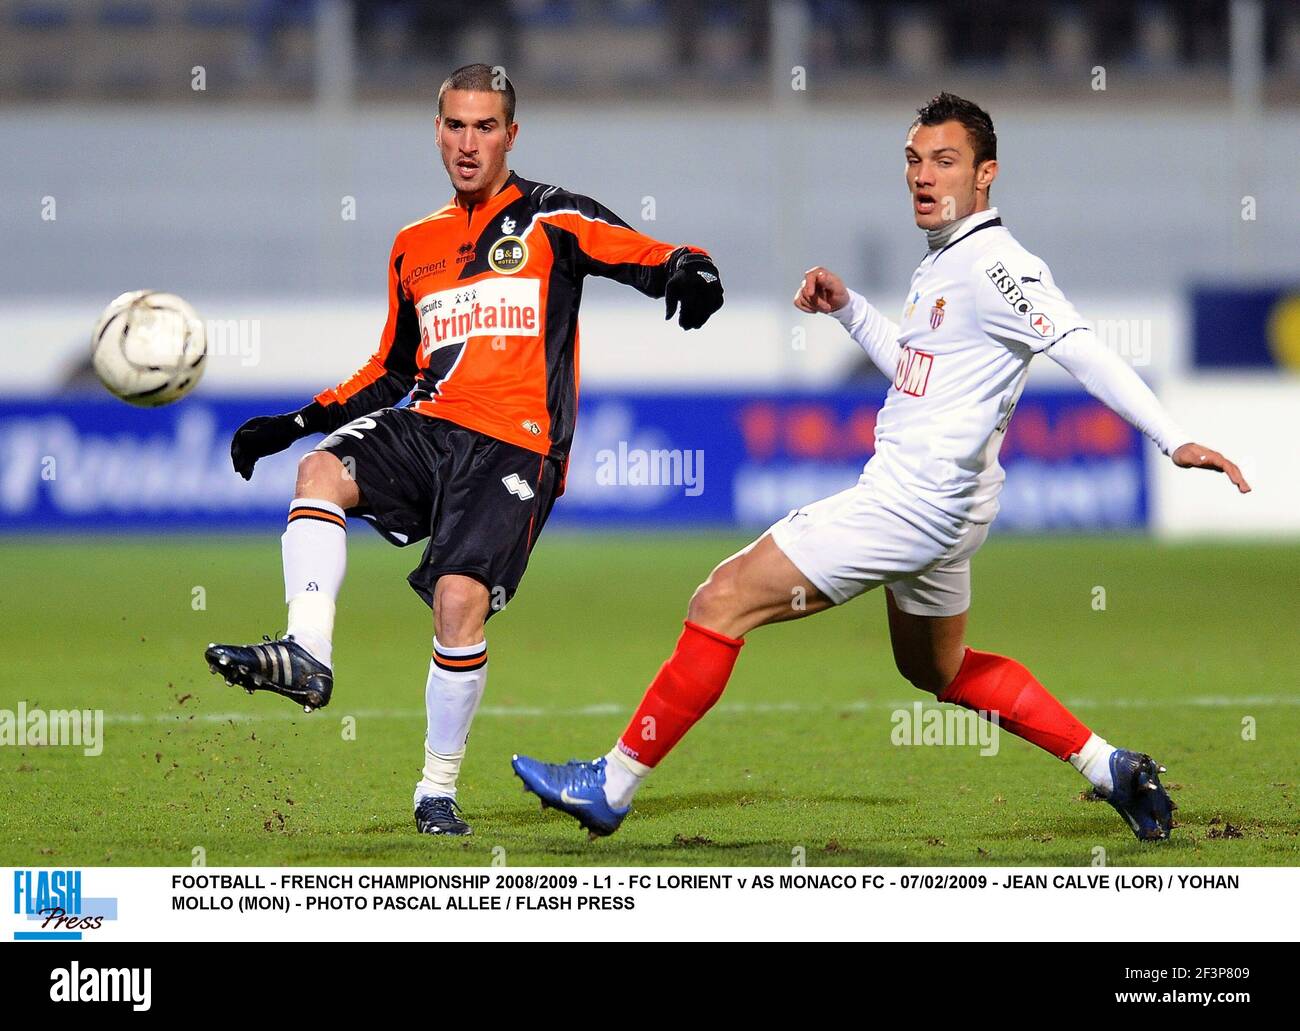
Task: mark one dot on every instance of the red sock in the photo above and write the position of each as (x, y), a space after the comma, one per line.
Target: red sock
(685, 689)
(993, 683)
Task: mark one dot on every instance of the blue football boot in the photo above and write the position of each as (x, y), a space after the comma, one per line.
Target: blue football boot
(1139, 796)
(282, 666)
(576, 788)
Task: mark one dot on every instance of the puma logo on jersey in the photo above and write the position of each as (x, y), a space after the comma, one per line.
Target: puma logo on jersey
(913, 372)
(1010, 289)
(517, 486)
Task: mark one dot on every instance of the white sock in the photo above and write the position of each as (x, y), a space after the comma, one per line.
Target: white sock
(457, 677)
(1093, 761)
(315, 550)
(623, 775)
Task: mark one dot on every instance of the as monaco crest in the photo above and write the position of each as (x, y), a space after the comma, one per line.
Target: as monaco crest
(936, 314)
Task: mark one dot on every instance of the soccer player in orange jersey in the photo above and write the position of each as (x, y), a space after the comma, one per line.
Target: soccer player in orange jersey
(457, 430)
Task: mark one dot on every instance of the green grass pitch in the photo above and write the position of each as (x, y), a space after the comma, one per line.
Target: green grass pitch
(1193, 640)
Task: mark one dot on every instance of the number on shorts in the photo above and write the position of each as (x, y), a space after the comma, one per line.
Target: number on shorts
(354, 428)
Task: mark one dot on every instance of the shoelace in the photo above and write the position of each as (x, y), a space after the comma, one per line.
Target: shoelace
(584, 775)
(263, 656)
(263, 649)
(442, 805)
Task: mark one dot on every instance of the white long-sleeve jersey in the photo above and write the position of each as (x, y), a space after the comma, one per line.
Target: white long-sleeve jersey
(977, 311)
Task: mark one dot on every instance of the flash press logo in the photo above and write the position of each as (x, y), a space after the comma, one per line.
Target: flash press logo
(54, 900)
(75, 983)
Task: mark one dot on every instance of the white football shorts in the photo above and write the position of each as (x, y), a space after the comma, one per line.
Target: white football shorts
(863, 537)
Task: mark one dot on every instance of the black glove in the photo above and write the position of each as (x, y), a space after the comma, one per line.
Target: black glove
(696, 286)
(270, 434)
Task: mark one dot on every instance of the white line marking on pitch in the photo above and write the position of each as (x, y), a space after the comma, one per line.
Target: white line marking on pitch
(733, 708)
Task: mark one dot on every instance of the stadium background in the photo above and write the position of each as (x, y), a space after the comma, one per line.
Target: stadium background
(257, 157)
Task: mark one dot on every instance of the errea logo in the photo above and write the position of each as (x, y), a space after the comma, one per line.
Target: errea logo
(518, 486)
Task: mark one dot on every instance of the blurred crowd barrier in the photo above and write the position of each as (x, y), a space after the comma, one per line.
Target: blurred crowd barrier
(254, 50)
(642, 459)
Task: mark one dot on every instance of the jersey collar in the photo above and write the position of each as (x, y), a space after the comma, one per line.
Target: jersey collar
(510, 190)
(954, 231)
(973, 223)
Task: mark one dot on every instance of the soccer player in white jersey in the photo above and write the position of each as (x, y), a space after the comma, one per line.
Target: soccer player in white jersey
(978, 309)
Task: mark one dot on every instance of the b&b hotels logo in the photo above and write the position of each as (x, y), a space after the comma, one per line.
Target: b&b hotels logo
(53, 903)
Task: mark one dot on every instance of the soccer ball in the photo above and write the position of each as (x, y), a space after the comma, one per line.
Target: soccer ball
(149, 348)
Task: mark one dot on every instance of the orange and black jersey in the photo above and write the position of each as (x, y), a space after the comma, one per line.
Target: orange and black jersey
(483, 313)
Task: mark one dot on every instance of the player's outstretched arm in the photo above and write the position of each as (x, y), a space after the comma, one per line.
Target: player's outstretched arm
(602, 244)
(373, 387)
(1020, 305)
(385, 378)
(822, 292)
(1113, 382)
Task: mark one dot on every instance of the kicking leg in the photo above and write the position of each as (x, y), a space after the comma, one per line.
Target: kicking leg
(931, 654)
(457, 677)
(756, 586)
(314, 547)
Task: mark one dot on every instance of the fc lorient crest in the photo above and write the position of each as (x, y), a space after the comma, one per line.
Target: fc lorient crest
(936, 314)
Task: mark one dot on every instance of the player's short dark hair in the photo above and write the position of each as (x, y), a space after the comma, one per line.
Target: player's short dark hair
(948, 107)
(481, 78)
